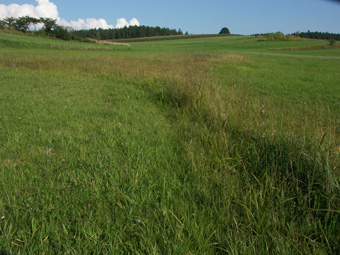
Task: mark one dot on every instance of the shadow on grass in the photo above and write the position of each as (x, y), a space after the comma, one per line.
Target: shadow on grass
(292, 175)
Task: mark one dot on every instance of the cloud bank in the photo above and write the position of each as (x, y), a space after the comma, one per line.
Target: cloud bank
(48, 9)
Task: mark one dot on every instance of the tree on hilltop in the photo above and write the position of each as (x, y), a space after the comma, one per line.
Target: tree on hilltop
(2, 24)
(9, 22)
(49, 24)
(224, 31)
(22, 23)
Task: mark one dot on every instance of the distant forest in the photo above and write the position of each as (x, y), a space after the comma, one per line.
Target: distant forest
(318, 35)
(126, 32)
(50, 28)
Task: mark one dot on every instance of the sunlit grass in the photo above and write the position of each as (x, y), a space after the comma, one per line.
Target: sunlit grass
(150, 152)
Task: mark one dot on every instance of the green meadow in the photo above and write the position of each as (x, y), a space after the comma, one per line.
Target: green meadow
(216, 145)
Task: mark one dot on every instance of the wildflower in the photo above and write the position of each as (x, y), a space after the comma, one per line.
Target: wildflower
(71, 148)
(113, 186)
(139, 153)
(138, 221)
(193, 214)
(88, 205)
(106, 156)
(63, 160)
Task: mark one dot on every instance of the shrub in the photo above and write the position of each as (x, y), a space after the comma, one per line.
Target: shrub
(332, 41)
(278, 36)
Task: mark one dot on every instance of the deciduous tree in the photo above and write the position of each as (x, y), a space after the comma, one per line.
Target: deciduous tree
(49, 24)
(22, 23)
(10, 22)
(224, 31)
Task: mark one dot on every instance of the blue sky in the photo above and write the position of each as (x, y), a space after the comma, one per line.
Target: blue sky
(195, 16)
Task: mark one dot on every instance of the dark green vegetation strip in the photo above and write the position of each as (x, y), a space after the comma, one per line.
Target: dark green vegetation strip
(168, 147)
(166, 38)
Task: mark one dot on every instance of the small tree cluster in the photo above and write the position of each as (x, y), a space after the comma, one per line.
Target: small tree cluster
(278, 36)
(50, 27)
(331, 37)
(25, 22)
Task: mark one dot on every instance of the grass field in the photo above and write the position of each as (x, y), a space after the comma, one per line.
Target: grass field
(226, 145)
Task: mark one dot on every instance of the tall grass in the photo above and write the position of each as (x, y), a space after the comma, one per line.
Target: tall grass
(196, 163)
(278, 183)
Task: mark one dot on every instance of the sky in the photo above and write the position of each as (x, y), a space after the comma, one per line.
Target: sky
(195, 16)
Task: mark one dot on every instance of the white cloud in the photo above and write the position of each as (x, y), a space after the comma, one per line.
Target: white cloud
(48, 9)
(86, 24)
(123, 22)
(45, 8)
(97, 23)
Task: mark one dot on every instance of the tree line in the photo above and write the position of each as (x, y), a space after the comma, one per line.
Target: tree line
(279, 36)
(127, 32)
(51, 28)
(318, 35)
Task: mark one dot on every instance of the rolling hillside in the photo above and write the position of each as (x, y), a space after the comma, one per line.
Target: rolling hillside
(219, 145)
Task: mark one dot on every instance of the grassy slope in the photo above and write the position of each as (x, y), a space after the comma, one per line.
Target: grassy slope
(182, 146)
